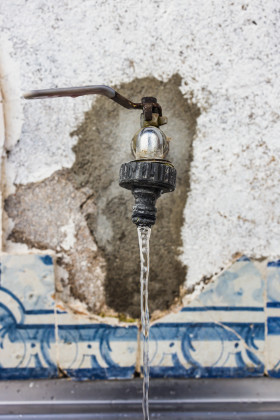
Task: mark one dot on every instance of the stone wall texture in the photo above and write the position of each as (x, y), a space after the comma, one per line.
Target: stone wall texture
(214, 66)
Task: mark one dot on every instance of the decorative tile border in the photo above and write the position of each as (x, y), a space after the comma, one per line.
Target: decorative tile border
(95, 351)
(231, 330)
(273, 319)
(39, 341)
(27, 319)
(220, 335)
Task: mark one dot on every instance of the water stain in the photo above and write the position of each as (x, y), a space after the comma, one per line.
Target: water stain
(104, 144)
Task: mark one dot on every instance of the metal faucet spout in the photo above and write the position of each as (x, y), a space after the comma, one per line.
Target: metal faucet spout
(147, 180)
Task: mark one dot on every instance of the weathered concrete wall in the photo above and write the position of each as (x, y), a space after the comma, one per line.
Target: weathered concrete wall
(84, 216)
(214, 67)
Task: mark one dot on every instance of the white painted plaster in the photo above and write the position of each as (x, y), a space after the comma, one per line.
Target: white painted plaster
(11, 93)
(2, 135)
(228, 56)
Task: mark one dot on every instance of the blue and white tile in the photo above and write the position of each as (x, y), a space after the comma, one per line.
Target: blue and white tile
(91, 350)
(220, 334)
(31, 277)
(27, 321)
(273, 319)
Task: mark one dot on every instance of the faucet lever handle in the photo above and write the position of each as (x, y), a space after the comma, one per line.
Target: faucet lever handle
(148, 104)
(74, 92)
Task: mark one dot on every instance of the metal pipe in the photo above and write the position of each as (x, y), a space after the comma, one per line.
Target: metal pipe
(74, 92)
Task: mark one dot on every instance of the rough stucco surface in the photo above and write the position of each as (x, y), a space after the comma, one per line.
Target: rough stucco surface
(50, 215)
(227, 56)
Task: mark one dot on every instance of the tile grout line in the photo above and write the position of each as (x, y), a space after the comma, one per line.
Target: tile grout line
(138, 352)
(56, 339)
(56, 320)
(265, 319)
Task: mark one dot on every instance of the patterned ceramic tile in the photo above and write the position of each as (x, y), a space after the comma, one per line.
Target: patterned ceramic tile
(95, 351)
(273, 319)
(221, 334)
(31, 277)
(27, 330)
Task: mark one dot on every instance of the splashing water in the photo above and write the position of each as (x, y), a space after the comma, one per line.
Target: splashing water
(144, 234)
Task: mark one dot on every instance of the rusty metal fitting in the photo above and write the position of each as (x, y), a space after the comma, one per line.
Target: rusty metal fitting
(156, 121)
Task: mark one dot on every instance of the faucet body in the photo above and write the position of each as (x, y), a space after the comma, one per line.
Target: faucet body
(150, 175)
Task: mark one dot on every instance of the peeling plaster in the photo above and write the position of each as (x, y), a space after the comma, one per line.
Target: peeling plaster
(2, 134)
(227, 55)
(10, 85)
(47, 215)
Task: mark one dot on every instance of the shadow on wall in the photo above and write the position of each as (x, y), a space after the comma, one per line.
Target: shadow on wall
(89, 197)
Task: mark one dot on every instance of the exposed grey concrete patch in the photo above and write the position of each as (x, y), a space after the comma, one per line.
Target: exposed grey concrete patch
(104, 144)
(48, 215)
(84, 215)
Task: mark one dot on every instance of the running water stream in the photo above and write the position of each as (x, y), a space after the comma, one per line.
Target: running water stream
(144, 234)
